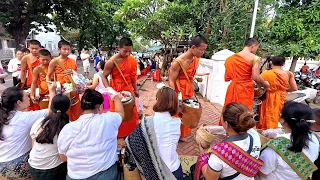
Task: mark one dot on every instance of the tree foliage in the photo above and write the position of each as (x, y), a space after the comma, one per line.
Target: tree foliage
(18, 16)
(155, 19)
(94, 23)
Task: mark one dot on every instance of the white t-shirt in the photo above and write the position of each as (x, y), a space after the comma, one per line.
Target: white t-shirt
(90, 144)
(85, 62)
(13, 67)
(17, 141)
(73, 56)
(276, 168)
(43, 156)
(218, 165)
(167, 131)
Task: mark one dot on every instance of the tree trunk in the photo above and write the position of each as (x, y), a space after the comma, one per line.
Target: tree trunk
(19, 38)
(293, 63)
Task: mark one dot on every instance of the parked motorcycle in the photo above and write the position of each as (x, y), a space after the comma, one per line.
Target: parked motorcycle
(303, 80)
(316, 85)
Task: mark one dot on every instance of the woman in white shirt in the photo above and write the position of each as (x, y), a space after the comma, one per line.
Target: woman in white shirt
(44, 159)
(90, 143)
(237, 156)
(15, 125)
(162, 128)
(14, 67)
(291, 155)
(167, 129)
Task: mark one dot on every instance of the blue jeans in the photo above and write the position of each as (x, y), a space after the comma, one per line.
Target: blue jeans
(178, 173)
(109, 174)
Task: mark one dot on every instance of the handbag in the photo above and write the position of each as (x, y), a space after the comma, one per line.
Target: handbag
(190, 116)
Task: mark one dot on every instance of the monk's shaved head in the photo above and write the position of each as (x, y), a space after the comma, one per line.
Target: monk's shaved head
(197, 40)
(125, 41)
(250, 42)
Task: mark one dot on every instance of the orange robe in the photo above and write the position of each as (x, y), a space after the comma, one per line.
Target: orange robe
(271, 107)
(241, 88)
(33, 65)
(32, 107)
(74, 111)
(128, 67)
(42, 82)
(186, 89)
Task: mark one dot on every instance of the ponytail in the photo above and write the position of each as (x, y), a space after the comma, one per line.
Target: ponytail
(296, 115)
(8, 102)
(53, 124)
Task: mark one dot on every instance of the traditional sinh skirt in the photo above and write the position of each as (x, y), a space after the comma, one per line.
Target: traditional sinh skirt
(17, 168)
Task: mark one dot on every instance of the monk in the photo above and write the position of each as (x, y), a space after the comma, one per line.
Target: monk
(28, 63)
(128, 67)
(190, 62)
(39, 77)
(55, 69)
(280, 82)
(242, 69)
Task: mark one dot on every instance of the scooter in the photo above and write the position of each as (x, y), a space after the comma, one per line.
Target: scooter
(302, 95)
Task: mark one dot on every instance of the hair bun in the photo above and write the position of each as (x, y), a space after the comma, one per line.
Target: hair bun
(246, 121)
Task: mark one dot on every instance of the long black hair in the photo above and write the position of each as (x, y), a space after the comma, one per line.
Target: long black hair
(8, 102)
(53, 124)
(91, 99)
(296, 115)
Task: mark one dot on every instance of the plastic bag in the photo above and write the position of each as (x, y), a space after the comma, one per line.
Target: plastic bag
(139, 105)
(80, 82)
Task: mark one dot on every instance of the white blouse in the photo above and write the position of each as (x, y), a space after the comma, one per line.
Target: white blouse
(167, 131)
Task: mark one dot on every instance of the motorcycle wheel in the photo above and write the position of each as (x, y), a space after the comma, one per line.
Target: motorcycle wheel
(316, 100)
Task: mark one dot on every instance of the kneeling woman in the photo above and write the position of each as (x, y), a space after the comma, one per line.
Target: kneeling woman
(237, 156)
(44, 158)
(90, 143)
(153, 144)
(291, 155)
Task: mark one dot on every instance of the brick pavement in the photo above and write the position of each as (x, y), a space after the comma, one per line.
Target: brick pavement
(210, 115)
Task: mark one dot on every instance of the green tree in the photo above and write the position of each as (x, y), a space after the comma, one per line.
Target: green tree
(18, 17)
(295, 31)
(94, 23)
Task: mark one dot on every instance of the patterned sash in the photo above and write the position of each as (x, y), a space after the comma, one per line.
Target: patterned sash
(234, 156)
(299, 162)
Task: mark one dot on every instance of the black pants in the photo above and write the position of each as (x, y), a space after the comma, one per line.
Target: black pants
(15, 81)
(59, 172)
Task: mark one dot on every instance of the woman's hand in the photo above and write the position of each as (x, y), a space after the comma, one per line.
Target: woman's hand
(52, 87)
(111, 92)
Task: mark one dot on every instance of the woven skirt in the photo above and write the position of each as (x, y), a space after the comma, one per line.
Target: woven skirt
(17, 168)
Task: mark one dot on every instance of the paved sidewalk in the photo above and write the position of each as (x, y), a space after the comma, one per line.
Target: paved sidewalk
(210, 115)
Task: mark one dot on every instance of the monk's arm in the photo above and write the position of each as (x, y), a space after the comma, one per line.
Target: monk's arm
(51, 68)
(292, 83)
(256, 76)
(34, 84)
(23, 72)
(106, 72)
(173, 73)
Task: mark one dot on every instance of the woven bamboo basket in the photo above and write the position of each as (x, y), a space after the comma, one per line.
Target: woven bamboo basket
(263, 138)
(206, 138)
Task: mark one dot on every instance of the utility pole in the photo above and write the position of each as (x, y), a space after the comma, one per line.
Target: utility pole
(254, 17)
